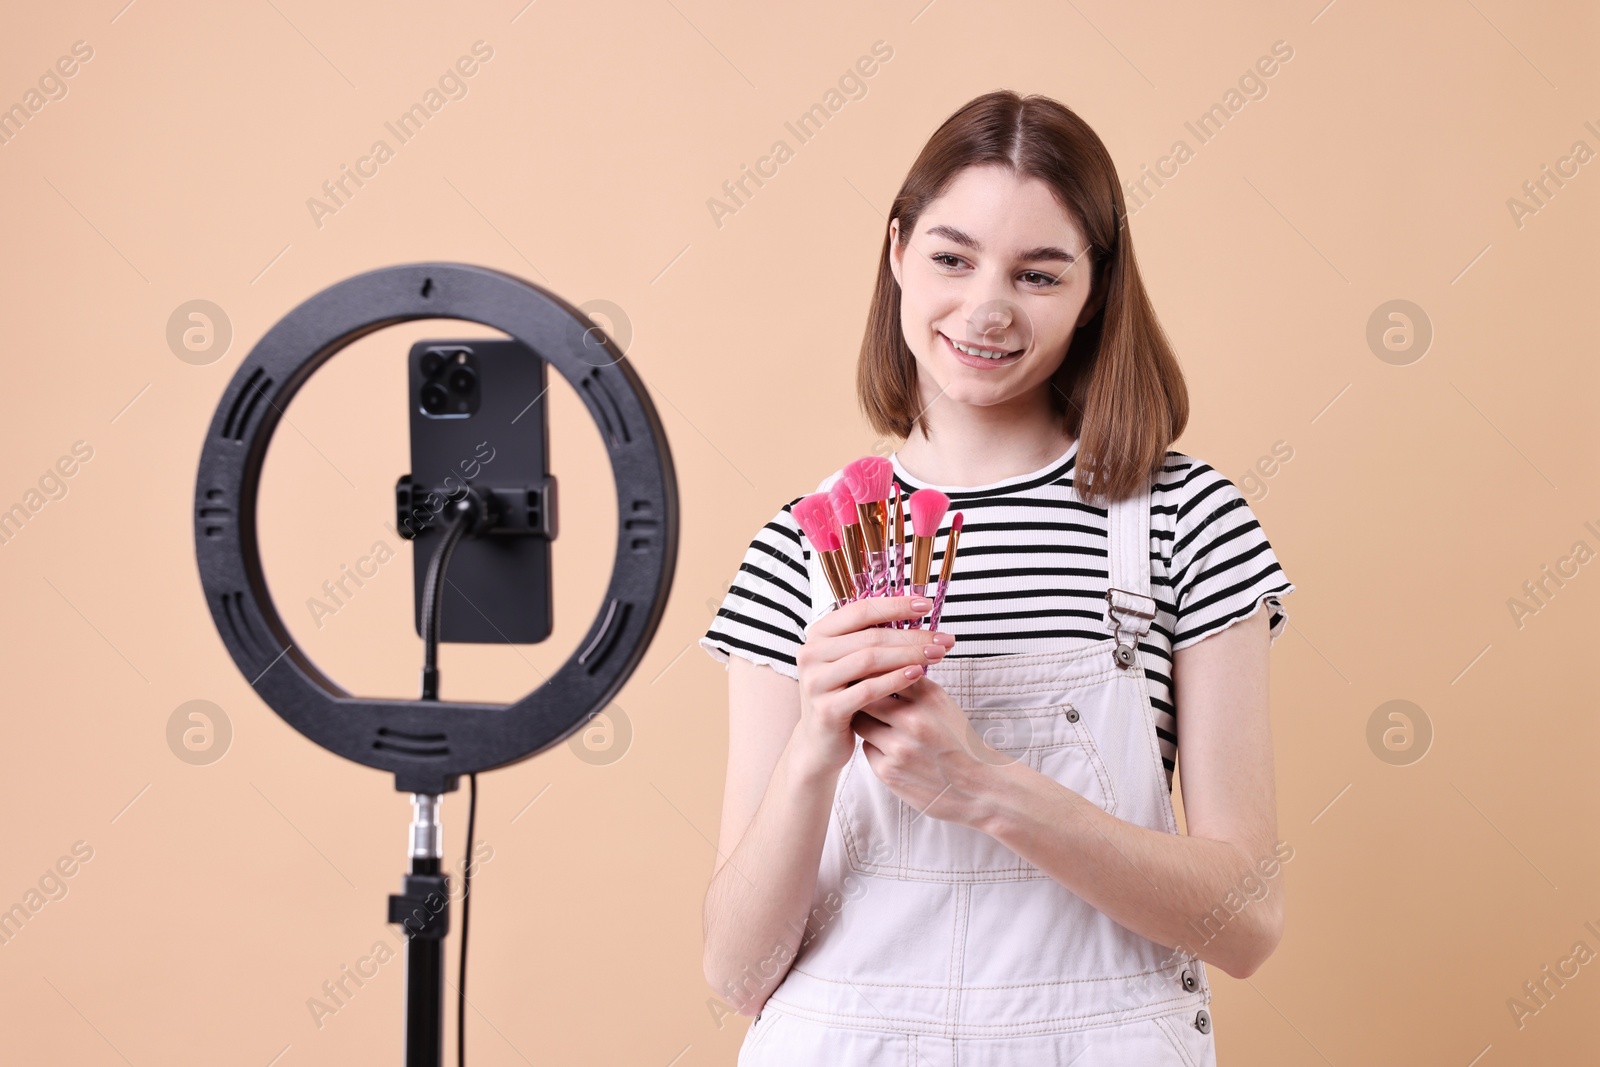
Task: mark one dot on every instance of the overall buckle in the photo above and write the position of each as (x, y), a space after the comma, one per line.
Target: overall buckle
(1123, 654)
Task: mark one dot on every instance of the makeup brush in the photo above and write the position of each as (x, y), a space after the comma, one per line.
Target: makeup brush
(902, 503)
(944, 571)
(816, 517)
(855, 551)
(897, 580)
(927, 511)
(869, 478)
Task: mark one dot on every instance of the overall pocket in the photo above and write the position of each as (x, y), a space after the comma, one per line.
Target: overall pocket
(760, 1027)
(1192, 1046)
(884, 836)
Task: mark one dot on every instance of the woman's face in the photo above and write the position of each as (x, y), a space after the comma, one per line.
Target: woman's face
(996, 263)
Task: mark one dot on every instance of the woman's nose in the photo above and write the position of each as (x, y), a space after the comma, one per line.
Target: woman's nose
(999, 321)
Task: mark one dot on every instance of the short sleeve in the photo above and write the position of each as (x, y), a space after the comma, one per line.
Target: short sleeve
(764, 615)
(1223, 568)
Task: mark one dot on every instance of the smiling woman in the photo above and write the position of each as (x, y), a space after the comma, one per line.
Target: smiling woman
(1024, 891)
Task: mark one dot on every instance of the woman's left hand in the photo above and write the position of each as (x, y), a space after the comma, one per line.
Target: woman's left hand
(924, 749)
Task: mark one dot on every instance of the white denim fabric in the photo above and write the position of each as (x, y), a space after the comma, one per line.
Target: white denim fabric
(933, 945)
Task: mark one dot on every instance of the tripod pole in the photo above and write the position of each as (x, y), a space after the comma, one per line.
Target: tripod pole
(423, 909)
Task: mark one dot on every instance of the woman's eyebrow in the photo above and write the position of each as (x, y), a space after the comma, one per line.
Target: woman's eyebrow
(961, 237)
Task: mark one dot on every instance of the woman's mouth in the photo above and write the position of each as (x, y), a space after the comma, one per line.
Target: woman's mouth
(986, 357)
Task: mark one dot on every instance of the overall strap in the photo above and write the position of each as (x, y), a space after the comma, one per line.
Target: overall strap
(1129, 605)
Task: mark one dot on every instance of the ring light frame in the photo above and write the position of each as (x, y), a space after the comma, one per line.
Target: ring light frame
(429, 744)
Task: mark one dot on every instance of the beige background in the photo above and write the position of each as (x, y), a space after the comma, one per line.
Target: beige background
(1418, 500)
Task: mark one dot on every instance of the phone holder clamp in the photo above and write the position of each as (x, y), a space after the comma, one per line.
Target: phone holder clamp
(508, 511)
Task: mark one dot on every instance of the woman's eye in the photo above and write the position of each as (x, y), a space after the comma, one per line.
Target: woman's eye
(1033, 277)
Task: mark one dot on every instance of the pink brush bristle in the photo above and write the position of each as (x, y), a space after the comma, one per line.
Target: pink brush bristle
(927, 511)
(869, 478)
(816, 517)
(844, 503)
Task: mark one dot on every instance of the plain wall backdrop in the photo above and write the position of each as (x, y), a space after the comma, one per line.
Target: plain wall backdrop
(1377, 267)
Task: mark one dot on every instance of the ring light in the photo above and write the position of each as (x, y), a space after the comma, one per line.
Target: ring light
(429, 744)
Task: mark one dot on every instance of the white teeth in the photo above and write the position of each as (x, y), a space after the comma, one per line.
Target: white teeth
(978, 351)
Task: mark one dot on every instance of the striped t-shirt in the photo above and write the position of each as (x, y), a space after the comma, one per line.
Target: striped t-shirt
(1031, 570)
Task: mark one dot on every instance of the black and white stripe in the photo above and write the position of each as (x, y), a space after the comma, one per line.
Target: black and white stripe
(1031, 571)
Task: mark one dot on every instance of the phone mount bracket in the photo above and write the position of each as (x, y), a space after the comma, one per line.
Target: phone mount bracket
(512, 511)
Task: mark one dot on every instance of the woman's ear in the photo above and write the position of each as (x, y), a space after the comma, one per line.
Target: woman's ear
(1091, 306)
(895, 251)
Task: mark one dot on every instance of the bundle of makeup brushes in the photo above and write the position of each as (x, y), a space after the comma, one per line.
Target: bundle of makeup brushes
(849, 529)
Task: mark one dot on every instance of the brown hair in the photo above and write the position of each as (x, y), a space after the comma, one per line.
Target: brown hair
(1119, 388)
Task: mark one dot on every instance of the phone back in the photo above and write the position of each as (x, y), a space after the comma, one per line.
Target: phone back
(478, 416)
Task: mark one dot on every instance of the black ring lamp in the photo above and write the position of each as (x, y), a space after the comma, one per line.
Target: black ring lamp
(429, 744)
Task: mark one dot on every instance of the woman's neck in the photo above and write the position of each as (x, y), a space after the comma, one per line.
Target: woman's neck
(977, 451)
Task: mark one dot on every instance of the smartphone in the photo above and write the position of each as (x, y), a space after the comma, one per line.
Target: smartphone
(477, 413)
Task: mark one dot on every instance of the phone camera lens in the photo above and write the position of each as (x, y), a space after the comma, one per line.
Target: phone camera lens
(463, 379)
(431, 362)
(434, 398)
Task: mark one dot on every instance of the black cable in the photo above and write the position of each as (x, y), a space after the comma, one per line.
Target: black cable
(465, 512)
(433, 601)
(466, 906)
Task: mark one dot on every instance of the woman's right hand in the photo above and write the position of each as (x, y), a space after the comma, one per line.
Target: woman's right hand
(848, 661)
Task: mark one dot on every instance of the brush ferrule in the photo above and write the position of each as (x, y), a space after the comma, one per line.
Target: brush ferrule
(921, 559)
(838, 575)
(874, 516)
(949, 554)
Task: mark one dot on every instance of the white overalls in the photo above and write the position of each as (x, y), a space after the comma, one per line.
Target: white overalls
(933, 945)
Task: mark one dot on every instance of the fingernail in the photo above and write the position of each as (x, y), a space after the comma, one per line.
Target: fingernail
(921, 604)
(947, 640)
(913, 671)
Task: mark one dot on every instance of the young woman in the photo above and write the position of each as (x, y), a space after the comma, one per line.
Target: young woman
(985, 867)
